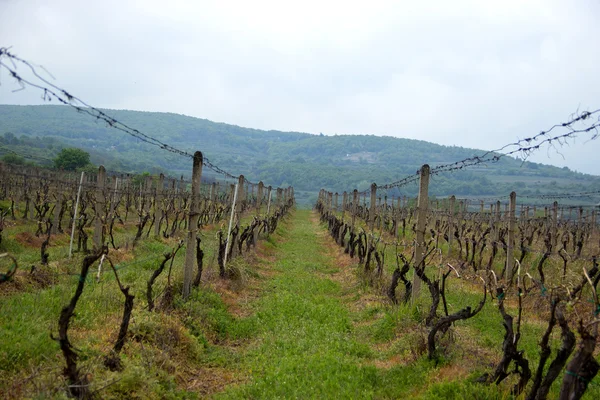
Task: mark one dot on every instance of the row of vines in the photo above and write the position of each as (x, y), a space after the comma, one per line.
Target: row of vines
(107, 214)
(531, 260)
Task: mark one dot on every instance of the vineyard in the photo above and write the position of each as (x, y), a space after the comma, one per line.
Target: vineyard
(56, 227)
(120, 285)
(430, 303)
(532, 266)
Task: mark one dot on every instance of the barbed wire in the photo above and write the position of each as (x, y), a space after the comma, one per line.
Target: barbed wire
(51, 91)
(530, 146)
(525, 147)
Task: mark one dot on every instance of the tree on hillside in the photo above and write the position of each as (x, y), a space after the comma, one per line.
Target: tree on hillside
(71, 158)
(13, 159)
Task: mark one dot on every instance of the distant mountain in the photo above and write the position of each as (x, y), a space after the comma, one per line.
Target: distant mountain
(307, 162)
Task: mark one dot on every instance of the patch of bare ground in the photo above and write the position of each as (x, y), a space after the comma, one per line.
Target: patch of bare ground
(208, 381)
(28, 239)
(395, 360)
(449, 372)
(29, 279)
(120, 255)
(237, 297)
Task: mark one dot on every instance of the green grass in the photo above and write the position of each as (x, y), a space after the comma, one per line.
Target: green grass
(305, 346)
(310, 344)
(304, 333)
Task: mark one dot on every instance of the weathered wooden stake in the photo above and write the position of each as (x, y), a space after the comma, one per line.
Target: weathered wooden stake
(422, 202)
(75, 214)
(158, 204)
(510, 244)
(190, 251)
(555, 224)
(451, 223)
(354, 206)
(259, 196)
(99, 209)
(269, 189)
(240, 194)
(230, 225)
(57, 209)
(372, 207)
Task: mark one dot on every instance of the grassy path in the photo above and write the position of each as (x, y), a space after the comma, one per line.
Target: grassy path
(321, 334)
(305, 345)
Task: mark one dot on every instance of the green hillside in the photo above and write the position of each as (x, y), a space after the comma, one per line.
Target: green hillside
(307, 162)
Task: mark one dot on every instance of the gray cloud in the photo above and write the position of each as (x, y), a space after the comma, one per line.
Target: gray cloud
(468, 73)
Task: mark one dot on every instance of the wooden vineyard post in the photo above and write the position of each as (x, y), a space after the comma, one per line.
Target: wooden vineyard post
(451, 223)
(397, 216)
(269, 189)
(158, 204)
(240, 195)
(58, 207)
(180, 189)
(384, 212)
(190, 250)
(127, 186)
(259, 196)
(422, 202)
(31, 205)
(554, 224)
(510, 244)
(99, 208)
(372, 207)
(336, 201)
(497, 222)
(75, 214)
(148, 194)
(354, 207)
(233, 202)
(344, 204)
(232, 191)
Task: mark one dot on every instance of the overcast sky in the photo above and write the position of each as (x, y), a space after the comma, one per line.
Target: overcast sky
(467, 73)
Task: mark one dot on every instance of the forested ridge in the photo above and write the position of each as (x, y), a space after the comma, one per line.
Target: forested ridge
(305, 161)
